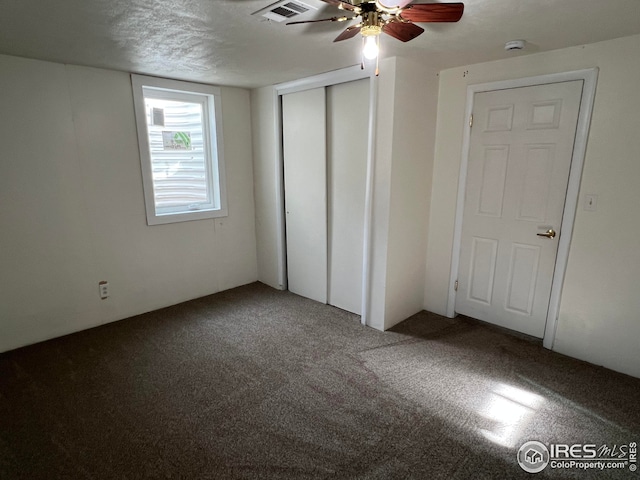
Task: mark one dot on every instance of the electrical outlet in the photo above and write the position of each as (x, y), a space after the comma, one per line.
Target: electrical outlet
(104, 289)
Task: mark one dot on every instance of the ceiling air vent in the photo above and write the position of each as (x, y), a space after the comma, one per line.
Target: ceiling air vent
(285, 10)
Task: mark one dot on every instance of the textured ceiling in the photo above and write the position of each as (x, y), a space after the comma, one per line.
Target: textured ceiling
(220, 42)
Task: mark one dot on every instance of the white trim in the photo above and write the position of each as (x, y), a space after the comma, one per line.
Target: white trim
(179, 85)
(571, 203)
(213, 136)
(323, 80)
(368, 200)
(281, 243)
(590, 77)
(462, 182)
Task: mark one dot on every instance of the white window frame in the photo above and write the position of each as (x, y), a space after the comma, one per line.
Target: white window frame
(209, 96)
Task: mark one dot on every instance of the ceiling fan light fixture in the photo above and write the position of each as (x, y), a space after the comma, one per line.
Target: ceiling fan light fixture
(388, 10)
(396, 20)
(371, 30)
(371, 41)
(370, 49)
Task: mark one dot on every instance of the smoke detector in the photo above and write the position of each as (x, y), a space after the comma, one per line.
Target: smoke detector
(515, 45)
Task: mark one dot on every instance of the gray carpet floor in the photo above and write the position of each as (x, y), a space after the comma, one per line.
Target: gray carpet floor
(257, 383)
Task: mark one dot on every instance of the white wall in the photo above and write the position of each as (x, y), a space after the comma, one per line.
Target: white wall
(407, 96)
(381, 193)
(263, 115)
(412, 164)
(72, 208)
(599, 318)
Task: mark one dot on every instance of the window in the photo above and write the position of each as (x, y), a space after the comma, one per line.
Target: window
(180, 137)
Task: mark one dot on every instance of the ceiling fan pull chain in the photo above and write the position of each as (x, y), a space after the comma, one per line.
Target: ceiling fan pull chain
(377, 70)
(378, 56)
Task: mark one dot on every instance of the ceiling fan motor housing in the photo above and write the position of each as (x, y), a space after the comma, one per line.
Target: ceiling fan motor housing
(371, 23)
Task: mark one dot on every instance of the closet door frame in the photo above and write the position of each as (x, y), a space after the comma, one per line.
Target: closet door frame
(324, 80)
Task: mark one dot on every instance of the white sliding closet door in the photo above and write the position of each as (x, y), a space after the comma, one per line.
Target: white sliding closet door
(347, 117)
(305, 167)
(325, 163)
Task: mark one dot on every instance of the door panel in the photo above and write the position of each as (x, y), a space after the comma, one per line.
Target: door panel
(494, 174)
(347, 112)
(519, 159)
(536, 183)
(304, 150)
(483, 269)
(521, 283)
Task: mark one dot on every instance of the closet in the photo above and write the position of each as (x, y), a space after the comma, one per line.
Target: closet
(325, 160)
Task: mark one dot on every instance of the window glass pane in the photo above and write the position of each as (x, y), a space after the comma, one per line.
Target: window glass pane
(178, 154)
(182, 162)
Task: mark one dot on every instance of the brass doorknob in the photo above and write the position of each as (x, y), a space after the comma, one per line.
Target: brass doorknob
(551, 233)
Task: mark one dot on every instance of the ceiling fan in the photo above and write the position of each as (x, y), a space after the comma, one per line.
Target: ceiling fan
(393, 17)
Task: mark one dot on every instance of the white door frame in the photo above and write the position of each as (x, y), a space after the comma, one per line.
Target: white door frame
(323, 80)
(590, 77)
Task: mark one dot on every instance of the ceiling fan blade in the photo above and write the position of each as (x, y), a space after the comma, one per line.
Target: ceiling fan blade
(350, 32)
(332, 19)
(433, 12)
(341, 5)
(402, 31)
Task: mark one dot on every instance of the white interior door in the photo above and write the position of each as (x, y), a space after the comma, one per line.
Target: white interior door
(304, 150)
(521, 146)
(347, 116)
